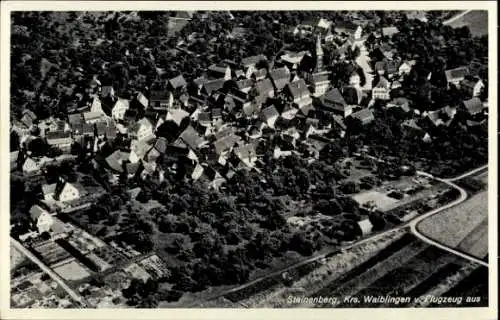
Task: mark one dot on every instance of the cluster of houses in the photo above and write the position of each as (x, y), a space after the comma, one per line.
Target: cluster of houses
(209, 128)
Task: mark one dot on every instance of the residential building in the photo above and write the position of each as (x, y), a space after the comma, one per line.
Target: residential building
(280, 77)
(30, 166)
(333, 102)
(455, 76)
(59, 139)
(382, 89)
(219, 71)
(471, 86)
(364, 115)
(161, 100)
(389, 31)
(42, 218)
(119, 109)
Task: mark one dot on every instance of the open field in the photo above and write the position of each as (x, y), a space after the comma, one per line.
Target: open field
(476, 20)
(71, 271)
(464, 227)
(408, 268)
(380, 200)
(401, 267)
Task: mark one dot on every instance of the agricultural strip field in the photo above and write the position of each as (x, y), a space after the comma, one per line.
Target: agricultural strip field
(476, 20)
(408, 269)
(463, 227)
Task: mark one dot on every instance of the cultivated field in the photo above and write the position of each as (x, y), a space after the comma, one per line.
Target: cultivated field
(476, 20)
(403, 267)
(464, 227)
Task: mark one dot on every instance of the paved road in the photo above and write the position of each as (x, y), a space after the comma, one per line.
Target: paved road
(363, 60)
(458, 16)
(463, 197)
(412, 225)
(72, 293)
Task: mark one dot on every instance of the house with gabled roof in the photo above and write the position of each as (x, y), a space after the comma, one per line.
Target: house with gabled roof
(107, 130)
(298, 93)
(246, 153)
(389, 31)
(471, 86)
(270, 115)
(42, 218)
(405, 67)
(117, 160)
(63, 191)
(177, 115)
(249, 64)
(177, 84)
(219, 71)
(334, 103)
(473, 107)
(161, 100)
(30, 166)
(382, 89)
(456, 75)
(119, 109)
(293, 59)
(210, 87)
(93, 117)
(59, 139)
(28, 118)
(139, 149)
(400, 102)
(280, 77)
(264, 90)
(365, 116)
(349, 29)
(141, 130)
(191, 138)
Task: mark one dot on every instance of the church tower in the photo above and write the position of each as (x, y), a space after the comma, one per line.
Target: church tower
(319, 54)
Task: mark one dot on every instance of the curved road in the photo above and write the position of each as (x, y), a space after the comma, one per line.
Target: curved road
(458, 16)
(412, 225)
(463, 196)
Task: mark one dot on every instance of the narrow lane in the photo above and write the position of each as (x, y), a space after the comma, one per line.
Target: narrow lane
(60, 281)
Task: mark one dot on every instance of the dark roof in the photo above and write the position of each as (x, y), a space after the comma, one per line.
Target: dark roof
(280, 77)
(159, 95)
(269, 112)
(364, 115)
(161, 144)
(457, 73)
(214, 85)
(352, 95)
(297, 88)
(383, 83)
(57, 135)
(245, 83)
(191, 138)
(473, 105)
(334, 96)
(218, 68)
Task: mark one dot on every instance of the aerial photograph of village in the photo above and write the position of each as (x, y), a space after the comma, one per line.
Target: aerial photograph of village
(249, 159)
